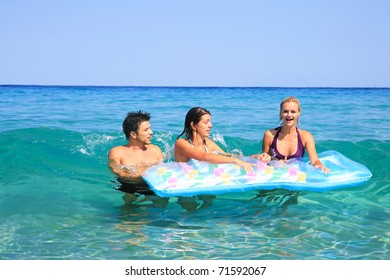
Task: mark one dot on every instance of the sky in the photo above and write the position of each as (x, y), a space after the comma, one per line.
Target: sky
(245, 43)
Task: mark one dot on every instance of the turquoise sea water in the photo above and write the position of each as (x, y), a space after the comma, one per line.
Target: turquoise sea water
(57, 196)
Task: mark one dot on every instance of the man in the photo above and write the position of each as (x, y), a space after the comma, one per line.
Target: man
(129, 161)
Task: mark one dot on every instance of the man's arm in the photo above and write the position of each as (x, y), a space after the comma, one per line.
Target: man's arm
(114, 162)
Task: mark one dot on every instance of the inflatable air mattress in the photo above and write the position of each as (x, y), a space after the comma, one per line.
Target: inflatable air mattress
(195, 177)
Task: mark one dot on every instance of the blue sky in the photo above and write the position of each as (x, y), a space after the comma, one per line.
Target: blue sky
(325, 43)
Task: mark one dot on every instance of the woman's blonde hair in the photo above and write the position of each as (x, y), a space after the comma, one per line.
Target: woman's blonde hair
(289, 99)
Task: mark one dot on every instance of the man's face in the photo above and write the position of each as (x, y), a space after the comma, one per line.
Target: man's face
(145, 133)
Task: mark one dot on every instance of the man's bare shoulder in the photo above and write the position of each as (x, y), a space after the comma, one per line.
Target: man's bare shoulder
(116, 151)
(154, 147)
(156, 152)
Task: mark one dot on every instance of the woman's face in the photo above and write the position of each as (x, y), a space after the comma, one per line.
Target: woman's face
(289, 113)
(203, 126)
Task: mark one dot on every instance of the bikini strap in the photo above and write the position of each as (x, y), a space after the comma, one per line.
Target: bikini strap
(204, 144)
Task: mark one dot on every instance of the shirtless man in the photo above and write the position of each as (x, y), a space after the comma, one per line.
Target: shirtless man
(129, 161)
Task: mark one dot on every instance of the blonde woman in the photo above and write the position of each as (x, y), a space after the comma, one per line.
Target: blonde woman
(288, 141)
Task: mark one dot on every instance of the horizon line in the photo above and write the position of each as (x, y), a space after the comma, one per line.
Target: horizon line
(160, 86)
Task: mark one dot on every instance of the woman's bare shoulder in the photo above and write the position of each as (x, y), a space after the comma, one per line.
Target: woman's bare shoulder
(270, 132)
(306, 136)
(181, 142)
(304, 133)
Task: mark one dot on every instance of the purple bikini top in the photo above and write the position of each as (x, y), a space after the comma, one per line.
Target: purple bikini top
(276, 154)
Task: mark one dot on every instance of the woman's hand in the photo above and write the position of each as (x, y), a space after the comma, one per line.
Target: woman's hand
(246, 165)
(264, 157)
(318, 164)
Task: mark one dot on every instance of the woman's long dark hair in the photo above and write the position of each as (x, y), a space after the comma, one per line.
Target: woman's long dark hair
(193, 115)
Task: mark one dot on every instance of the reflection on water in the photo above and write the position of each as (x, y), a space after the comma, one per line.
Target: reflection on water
(211, 232)
(276, 224)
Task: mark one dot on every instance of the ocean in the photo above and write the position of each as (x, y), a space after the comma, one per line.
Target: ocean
(58, 199)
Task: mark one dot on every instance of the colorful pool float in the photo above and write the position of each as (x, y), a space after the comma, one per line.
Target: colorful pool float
(196, 177)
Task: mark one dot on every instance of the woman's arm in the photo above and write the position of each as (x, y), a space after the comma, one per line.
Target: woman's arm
(267, 141)
(309, 143)
(183, 149)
